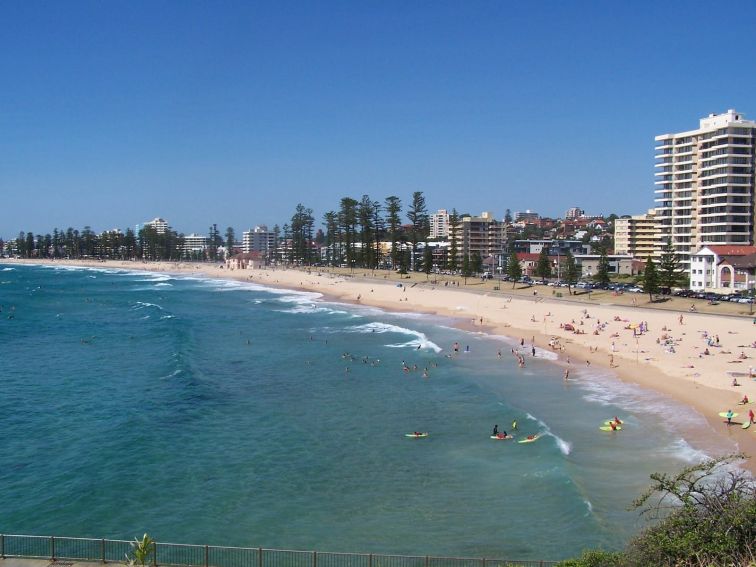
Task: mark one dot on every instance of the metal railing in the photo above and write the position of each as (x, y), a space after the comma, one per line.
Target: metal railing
(56, 548)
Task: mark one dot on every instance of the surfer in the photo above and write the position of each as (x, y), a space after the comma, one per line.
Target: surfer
(514, 424)
(744, 401)
(613, 425)
(729, 416)
(617, 420)
(495, 430)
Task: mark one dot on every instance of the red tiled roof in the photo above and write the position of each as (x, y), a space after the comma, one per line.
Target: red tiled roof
(732, 250)
(527, 257)
(740, 262)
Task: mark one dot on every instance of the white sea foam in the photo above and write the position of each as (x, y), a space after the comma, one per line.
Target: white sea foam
(588, 505)
(603, 388)
(7, 269)
(564, 446)
(420, 339)
(143, 304)
(163, 284)
(681, 449)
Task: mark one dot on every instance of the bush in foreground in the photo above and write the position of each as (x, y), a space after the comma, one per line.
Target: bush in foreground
(705, 515)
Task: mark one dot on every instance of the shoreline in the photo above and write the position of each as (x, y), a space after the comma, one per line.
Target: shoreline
(679, 370)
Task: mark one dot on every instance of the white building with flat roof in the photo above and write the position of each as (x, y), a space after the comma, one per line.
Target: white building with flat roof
(705, 184)
(258, 239)
(439, 225)
(638, 236)
(160, 225)
(194, 244)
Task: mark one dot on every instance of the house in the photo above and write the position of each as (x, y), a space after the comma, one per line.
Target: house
(723, 269)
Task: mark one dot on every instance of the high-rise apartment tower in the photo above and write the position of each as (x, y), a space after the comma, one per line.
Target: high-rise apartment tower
(705, 184)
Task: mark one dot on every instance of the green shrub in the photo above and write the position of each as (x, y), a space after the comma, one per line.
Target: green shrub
(593, 558)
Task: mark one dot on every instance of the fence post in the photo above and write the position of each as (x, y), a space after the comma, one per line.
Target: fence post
(102, 550)
(370, 560)
(52, 548)
(314, 559)
(207, 555)
(427, 561)
(2, 546)
(484, 562)
(154, 554)
(259, 556)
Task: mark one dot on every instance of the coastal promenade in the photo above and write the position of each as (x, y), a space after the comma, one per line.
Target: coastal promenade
(706, 360)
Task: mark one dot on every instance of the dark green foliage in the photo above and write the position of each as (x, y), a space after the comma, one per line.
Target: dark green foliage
(301, 228)
(476, 263)
(427, 259)
(593, 558)
(393, 224)
(707, 516)
(650, 278)
(230, 237)
(670, 272)
(514, 270)
(466, 267)
(570, 271)
(418, 217)
(602, 272)
(543, 267)
(453, 240)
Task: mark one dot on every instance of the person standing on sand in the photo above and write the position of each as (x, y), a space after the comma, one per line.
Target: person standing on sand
(750, 416)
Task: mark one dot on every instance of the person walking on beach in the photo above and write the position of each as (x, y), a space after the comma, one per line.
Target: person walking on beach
(750, 416)
(729, 415)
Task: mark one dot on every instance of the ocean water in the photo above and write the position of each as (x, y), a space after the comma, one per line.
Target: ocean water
(206, 411)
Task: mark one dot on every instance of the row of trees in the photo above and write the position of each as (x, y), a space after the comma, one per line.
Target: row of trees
(147, 244)
(354, 233)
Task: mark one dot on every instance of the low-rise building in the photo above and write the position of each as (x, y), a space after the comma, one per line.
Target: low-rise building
(723, 269)
(194, 245)
(619, 264)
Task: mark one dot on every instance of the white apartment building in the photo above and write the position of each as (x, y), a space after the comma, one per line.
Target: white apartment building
(574, 213)
(638, 236)
(258, 239)
(160, 225)
(705, 184)
(525, 216)
(439, 225)
(194, 244)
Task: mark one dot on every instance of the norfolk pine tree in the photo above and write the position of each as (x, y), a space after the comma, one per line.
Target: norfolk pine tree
(543, 267)
(514, 270)
(650, 279)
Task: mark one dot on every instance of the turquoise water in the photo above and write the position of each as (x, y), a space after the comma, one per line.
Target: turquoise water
(217, 412)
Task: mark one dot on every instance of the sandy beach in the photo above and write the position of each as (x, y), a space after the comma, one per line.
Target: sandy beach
(691, 357)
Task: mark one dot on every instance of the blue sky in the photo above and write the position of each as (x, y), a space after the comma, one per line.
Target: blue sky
(112, 113)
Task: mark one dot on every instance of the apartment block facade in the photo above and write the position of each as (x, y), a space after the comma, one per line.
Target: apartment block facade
(482, 234)
(439, 225)
(638, 236)
(258, 239)
(705, 184)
